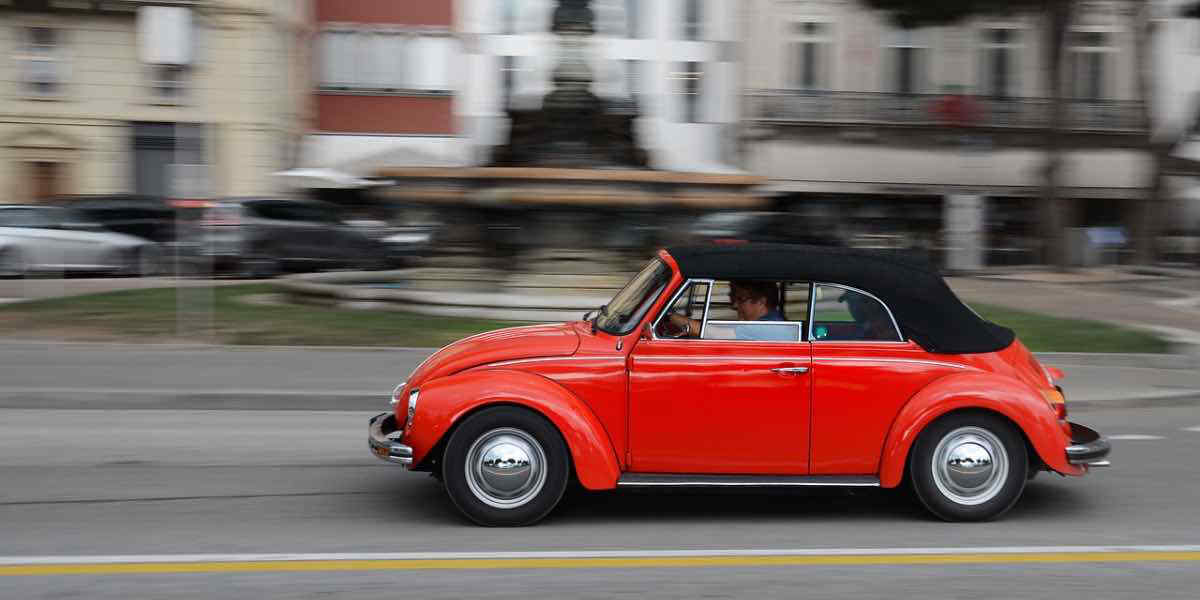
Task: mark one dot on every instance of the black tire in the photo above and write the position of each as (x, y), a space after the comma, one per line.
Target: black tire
(144, 261)
(261, 264)
(950, 492)
(506, 428)
(12, 264)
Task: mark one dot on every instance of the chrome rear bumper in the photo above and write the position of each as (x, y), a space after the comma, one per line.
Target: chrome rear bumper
(1087, 447)
(383, 443)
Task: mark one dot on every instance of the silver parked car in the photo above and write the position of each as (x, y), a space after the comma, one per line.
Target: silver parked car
(53, 239)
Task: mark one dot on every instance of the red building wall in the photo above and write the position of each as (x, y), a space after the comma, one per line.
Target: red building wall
(403, 12)
(346, 113)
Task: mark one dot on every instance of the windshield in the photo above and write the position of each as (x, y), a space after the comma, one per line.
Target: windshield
(630, 304)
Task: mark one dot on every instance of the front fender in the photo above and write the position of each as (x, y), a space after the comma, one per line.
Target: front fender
(1013, 399)
(444, 401)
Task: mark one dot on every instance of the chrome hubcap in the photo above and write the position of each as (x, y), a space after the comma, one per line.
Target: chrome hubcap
(970, 465)
(506, 468)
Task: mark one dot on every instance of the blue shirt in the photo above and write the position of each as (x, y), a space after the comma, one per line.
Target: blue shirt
(767, 333)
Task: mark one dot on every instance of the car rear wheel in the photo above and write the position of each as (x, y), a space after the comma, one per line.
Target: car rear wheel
(969, 467)
(506, 466)
(12, 263)
(145, 262)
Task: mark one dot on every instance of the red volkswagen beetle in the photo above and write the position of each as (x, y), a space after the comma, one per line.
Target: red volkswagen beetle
(747, 366)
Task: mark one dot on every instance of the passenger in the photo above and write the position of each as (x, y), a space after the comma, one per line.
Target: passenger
(871, 321)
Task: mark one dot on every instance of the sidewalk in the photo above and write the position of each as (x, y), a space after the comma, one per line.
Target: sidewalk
(1169, 306)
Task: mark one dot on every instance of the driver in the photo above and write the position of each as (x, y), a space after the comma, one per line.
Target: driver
(753, 301)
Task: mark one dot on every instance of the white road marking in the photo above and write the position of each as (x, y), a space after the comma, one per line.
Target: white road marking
(1196, 428)
(1135, 436)
(569, 554)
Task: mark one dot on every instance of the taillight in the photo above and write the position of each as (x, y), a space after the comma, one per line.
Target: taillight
(221, 217)
(1057, 401)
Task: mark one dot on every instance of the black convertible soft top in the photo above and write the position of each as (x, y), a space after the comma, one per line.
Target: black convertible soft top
(926, 309)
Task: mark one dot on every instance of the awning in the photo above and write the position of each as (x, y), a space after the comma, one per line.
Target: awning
(320, 178)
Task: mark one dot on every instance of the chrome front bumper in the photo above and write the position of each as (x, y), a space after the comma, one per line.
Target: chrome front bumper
(1087, 447)
(383, 443)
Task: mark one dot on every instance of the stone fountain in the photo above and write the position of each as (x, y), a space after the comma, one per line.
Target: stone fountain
(570, 176)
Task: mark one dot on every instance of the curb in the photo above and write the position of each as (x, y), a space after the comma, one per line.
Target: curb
(1138, 361)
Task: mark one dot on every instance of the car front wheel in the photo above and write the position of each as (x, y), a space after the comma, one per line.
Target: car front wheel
(969, 467)
(506, 466)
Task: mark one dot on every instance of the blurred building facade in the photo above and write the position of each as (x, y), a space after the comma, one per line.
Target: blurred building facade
(674, 61)
(385, 91)
(100, 97)
(932, 137)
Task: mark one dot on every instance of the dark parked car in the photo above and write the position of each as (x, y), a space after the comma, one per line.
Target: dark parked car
(140, 216)
(262, 237)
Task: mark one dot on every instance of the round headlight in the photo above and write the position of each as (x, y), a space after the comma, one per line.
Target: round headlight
(412, 407)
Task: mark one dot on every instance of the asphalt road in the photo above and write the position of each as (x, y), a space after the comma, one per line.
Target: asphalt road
(92, 474)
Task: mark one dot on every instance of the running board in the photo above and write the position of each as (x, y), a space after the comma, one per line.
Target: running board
(637, 480)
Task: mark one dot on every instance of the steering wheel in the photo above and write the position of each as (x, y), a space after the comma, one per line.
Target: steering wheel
(667, 328)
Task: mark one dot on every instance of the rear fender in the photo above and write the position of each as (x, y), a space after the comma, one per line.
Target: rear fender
(1008, 397)
(445, 401)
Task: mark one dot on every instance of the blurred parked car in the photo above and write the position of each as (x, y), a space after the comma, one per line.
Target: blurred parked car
(262, 237)
(54, 239)
(140, 216)
(759, 226)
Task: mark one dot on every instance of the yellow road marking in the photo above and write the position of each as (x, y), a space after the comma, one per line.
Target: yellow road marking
(594, 563)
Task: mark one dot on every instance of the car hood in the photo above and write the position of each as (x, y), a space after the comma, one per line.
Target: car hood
(535, 341)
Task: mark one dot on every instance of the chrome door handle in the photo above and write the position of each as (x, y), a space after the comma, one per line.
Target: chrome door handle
(790, 370)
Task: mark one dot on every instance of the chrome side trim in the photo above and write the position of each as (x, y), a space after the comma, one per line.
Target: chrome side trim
(812, 312)
(657, 480)
(517, 361)
(724, 358)
(936, 363)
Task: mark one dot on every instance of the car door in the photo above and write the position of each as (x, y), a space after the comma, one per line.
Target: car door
(719, 405)
(45, 245)
(87, 245)
(863, 372)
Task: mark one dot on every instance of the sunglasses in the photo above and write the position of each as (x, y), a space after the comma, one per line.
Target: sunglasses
(736, 300)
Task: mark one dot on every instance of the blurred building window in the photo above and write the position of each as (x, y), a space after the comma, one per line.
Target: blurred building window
(908, 57)
(809, 55)
(1000, 55)
(693, 20)
(431, 58)
(339, 65)
(1089, 55)
(632, 19)
(385, 61)
(41, 61)
(508, 79)
(633, 75)
(688, 79)
(169, 82)
(509, 17)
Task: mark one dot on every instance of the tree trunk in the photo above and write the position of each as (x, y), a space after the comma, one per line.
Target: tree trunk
(1054, 208)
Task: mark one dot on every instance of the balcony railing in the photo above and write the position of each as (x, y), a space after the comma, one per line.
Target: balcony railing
(861, 108)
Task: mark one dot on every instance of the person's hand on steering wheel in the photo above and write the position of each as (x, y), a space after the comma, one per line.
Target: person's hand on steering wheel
(679, 326)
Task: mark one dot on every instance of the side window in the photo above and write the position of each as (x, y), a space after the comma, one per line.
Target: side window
(846, 315)
(689, 304)
(757, 311)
